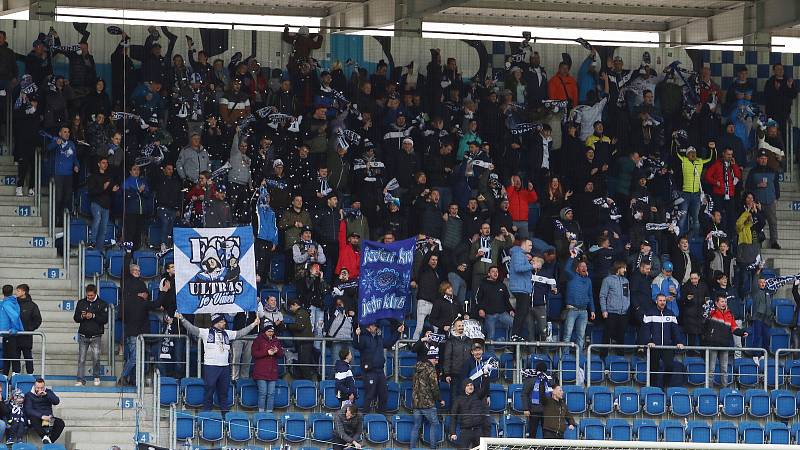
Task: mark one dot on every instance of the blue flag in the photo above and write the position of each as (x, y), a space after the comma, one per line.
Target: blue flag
(385, 280)
(215, 270)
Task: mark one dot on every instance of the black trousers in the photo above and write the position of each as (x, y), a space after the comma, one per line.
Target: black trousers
(534, 421)
(521, 312)
(133, 229)
(616, 324)
(375, 389)
(666, 356)
(239, 199)
(306, 360)
(547, 434)
(53, 431)
(470, 437)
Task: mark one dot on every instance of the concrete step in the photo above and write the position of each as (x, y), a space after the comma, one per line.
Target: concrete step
(10, 251)
(15, 231)
(39, 283)
(92, 438)
(23, 200)
(16, 221)
(34, 274)
(22, 209)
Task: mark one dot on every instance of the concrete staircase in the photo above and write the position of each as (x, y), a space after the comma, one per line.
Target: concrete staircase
(96, 417)
(787, 260)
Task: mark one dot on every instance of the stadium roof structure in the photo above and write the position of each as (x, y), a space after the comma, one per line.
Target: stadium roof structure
(677, 21)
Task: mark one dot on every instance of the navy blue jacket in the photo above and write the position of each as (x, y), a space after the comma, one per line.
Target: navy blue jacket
(371, 349)
(36, 406)
(660, 327)
(345, 383)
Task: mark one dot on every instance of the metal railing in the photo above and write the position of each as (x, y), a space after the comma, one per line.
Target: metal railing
(519, 346)
(42, 356)
(66, 241)
(141, 363)
(37, 181)
(51, 212)
(789, 156)
(157, 405)
(81, 268)
(648, 349)
(110, 341)
(9, 119)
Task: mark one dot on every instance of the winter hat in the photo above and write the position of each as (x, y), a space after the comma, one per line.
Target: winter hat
(277, 163)
(564, 212)
(667, 266)
(433, 353)
(269, 328)
(216, 318)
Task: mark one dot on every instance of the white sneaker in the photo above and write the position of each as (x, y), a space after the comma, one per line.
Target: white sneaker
(18, 191)
(46, 440)
(79, 383)
(97, 381)
(31, 192)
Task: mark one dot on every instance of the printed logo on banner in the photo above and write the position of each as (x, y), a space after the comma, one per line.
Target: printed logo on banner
(215, 270)
(384, 281)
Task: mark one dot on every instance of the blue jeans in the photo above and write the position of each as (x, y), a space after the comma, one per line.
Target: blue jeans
(691, 204)
(166, 219)
(130, 355)
(760, 331)
(459, 286)
(491, 321)
(266, 395)
(576, 320)
(99, 224)
(430, 416)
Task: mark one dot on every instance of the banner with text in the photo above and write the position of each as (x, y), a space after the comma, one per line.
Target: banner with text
(385, 280)
(215, 270)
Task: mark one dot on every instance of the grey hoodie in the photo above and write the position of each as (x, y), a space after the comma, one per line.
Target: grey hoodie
(240, 164)
(615, 295)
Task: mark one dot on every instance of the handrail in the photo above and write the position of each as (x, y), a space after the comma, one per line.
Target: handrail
(157, 405)
(42, 357)
(790, 148)
(673, 347)
(65, 243)
(173, 436)
(140, 362)
(111, 334)
(51, 212)
(37, 181)
(485, 442)
(81, 268)
(9, 121)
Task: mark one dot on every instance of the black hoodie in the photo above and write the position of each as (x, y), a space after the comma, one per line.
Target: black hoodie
(31, 320)
(95, 326)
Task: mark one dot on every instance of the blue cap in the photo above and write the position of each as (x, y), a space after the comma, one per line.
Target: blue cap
(667, 266)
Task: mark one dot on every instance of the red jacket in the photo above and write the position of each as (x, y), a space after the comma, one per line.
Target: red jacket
(714, 176)
(518, 201)
(348, 258)
(266, 365)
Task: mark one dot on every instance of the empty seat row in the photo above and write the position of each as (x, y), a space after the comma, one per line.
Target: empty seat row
(698, 431)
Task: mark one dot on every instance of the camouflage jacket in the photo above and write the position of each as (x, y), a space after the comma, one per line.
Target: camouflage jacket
(425, 386)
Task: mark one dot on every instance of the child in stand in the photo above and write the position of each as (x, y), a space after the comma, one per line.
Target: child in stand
(17, 423)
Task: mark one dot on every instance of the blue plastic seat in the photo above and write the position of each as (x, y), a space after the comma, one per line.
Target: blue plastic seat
(698, 431)
(393, 396)
(568, 368)
(238, 426)
(746, 370)
(654, 400)
(507, 366)
(247, 391)
(444, 395)
(266, 426)
(784, 311)
(147, 261)
(329, 399)
(194, 391)
(52, 447)
(627, 399)
(593, 429)
(750, 433)
(575, 396)
(281, 394)
(791, 372)
(321, 426)
(795, 431)
(497, 398)
(94, 264)
(706, 401)
(168, 391)
(724, 432)
(184, 425)
(783, 403)
(376, 428)
(515, 397)
(732, 402)
(596, 369)
(304, 393)
(778, 338)
(777, 433)
(109, 292)
(619, 429)
(116, 262)
(639, 370)
(680, 403)
(619, 369)
(402, 425)
(407, 361)
(758, 402)
(772, 373)
(210, 425)
(696, 370)
(406, 392)
(513, 426)
(294, 427)
(600, 399)
(645, 430)
(671, 430)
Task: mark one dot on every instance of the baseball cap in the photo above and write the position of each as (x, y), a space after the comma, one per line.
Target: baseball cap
(667, 266)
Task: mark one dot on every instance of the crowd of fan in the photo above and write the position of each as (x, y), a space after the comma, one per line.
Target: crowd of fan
(622, 171)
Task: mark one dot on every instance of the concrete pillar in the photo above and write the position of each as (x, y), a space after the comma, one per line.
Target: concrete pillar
(410, 27)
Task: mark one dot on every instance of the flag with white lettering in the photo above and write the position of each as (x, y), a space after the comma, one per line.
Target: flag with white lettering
(215, 270)
(385, 280)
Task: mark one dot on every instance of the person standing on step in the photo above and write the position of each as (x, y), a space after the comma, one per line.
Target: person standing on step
(101, 188)
(39, 409)
(372, 346)
(31, 320)
(136, 306)
(10, 321)
(92, 315)
(216, 366)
